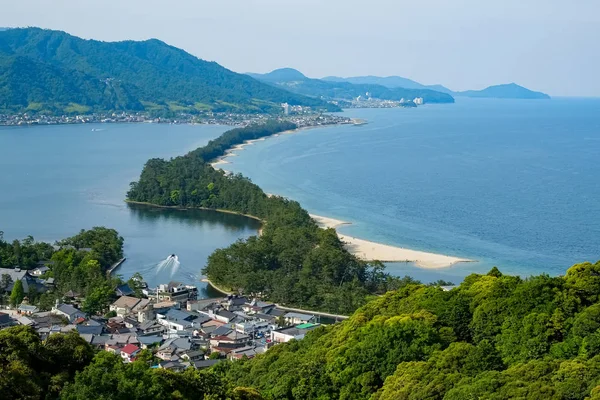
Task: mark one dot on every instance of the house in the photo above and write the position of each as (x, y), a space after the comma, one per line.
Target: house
(294, 318)
(150, 341)
(294, 332)
(5, 320)
(39, 271)
(17, 274)
(129, 351)
(193, 355)
(233, 337)
(256, 306)
(178, 320)
(235, 303)
(172, 349)
(253, 327)
(151, 327)
(127, 304)
(67, 311)
(25, 321)
(89, 327)
(248, 351)
(199, 305)
(27, 309)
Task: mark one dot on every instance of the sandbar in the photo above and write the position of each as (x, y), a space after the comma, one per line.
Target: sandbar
(369, 251)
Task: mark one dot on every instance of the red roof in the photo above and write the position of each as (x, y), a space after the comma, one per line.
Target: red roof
(130, 349)
(79, 320)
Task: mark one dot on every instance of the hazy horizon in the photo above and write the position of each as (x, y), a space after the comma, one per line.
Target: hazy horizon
(547, 46)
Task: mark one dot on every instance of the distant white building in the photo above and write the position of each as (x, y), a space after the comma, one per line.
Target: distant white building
(286, 108)
(418, 101)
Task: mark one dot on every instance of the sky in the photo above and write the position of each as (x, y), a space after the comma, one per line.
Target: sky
(547, 45)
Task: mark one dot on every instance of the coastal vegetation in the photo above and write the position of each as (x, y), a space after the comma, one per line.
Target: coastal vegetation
(52, 72)
(77, 264)
(293, 262)
(492, 337)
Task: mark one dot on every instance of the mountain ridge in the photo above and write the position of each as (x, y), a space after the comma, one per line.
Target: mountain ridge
(507, 91)
(156, 75)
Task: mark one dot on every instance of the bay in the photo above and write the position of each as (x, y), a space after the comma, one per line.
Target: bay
(511, 183)
(57, 180)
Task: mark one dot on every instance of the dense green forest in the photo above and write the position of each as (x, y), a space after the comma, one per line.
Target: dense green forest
(293, 262)
(49, 71)
(492, 337)
(77, 264)
(65, 366)
(296, 82)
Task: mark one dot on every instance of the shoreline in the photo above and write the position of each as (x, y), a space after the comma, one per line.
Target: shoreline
(361, 248)
(143, 203)
(369, 251)
(222, 160)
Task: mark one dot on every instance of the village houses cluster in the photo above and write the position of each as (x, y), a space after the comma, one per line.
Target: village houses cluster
(180, 330)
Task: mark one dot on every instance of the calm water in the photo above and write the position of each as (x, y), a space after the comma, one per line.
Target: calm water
(509, 183)
(57, 180)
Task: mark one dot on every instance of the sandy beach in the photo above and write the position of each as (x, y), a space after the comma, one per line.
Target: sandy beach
(368, 250)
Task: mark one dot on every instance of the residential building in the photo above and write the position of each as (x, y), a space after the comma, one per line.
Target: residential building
(67, 311)
(286, 334)
(126, 305)
(294, 318)
(5, 320)
(129, 351)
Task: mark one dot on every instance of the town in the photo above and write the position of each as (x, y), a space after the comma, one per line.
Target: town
(301, 116)
(179, 329)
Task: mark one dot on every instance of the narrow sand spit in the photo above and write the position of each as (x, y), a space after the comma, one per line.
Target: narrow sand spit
(376, 251)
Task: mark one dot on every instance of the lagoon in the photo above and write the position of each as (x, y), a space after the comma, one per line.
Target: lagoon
(57, 180)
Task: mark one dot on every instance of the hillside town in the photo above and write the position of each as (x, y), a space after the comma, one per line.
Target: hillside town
(179, 329)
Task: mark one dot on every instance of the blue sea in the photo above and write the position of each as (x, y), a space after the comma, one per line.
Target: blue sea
(509, 183)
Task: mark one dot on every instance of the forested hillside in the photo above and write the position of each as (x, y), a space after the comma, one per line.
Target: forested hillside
(52, 71)
(493, 337)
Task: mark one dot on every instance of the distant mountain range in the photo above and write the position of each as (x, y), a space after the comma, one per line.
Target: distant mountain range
(506, 91)
(54, 72)
(388, 81)
(294, 81)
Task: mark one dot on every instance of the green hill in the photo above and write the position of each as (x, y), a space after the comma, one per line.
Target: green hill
(52, 70)
(507, 91)
(493, 337)
(296, 82)
(281, 75)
